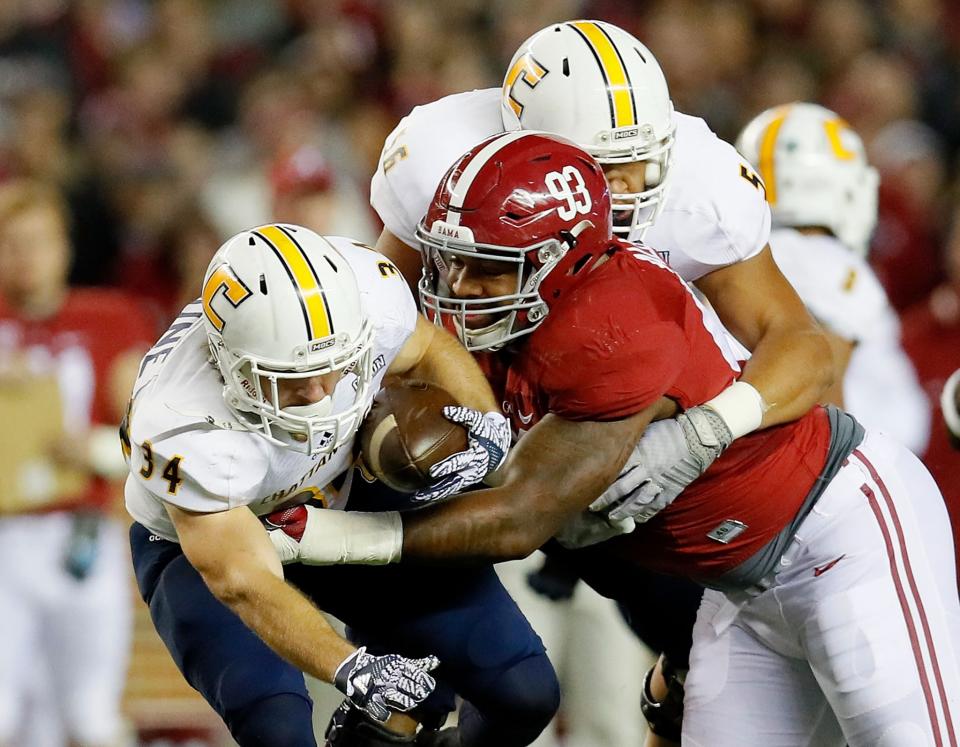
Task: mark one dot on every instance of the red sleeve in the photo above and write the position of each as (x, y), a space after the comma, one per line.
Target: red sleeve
(615, 346)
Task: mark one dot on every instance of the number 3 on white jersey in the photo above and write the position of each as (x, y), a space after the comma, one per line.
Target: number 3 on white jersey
(567, 185)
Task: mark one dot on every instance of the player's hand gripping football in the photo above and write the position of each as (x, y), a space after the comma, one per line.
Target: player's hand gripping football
(670, 455)
(381, 684)
(488, 436)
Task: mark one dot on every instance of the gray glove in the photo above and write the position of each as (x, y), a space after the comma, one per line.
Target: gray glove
(589, 528)
(381, 684)
(670, 455)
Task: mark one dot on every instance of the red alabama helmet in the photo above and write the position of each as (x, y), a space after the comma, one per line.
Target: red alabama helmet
(526, 198)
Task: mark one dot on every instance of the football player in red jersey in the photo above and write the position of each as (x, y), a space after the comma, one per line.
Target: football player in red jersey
(828, 617)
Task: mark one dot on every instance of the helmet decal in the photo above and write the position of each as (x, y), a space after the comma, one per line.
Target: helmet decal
(303, 275)
(527, 69)
(222, 279)
(765, 162)
(623, 107)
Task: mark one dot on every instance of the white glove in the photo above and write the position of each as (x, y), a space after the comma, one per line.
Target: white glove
(670, 455)
(381, 684)
(321, 536)
(488, 440)
(588, 528)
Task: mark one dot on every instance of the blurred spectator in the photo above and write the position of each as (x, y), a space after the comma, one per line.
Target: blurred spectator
(306, 192)
(910, 159)
(67, 361)
(931, 337)
(189, 244)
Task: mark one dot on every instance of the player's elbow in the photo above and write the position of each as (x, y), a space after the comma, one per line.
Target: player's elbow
(231, 585)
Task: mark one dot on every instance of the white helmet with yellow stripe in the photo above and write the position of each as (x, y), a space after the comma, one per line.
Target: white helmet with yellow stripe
(597, 85)
(815, 171)
(281, 303)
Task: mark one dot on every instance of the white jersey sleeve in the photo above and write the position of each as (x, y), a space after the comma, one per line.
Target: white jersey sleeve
(715, 212)
(837, 286)
(419, 151)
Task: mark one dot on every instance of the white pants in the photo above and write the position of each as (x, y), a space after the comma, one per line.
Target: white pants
(78, 630)
(856, 640)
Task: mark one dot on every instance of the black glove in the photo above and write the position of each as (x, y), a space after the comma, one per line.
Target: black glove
(556, 579)
(83, 544)
(381, 684)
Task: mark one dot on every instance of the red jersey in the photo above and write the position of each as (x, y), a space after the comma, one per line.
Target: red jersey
(78, 346)
(626, 334)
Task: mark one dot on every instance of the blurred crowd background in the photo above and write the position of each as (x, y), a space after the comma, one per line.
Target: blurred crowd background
(170, 124)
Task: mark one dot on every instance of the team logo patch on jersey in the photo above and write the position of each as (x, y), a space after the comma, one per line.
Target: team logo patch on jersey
(727, 531)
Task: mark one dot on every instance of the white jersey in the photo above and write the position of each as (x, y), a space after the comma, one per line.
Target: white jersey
(189, 449)
(880, 387)
(714, 214)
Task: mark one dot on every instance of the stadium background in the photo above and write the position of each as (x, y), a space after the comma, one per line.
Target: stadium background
(171, 124)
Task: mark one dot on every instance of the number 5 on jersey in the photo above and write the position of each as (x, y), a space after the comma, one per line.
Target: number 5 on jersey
(171, 473)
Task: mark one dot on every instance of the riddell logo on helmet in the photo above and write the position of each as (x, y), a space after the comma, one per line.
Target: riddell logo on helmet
(624, 134)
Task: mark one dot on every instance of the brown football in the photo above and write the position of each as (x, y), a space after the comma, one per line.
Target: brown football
(405, 434)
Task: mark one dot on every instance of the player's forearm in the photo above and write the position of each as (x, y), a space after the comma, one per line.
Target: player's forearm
(284, 618)
(555, 471)
(791, 369)
(485, 526)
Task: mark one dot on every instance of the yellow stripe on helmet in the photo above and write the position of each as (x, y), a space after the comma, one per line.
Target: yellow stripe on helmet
(768, 143)
(614, 72)
(305, 280)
